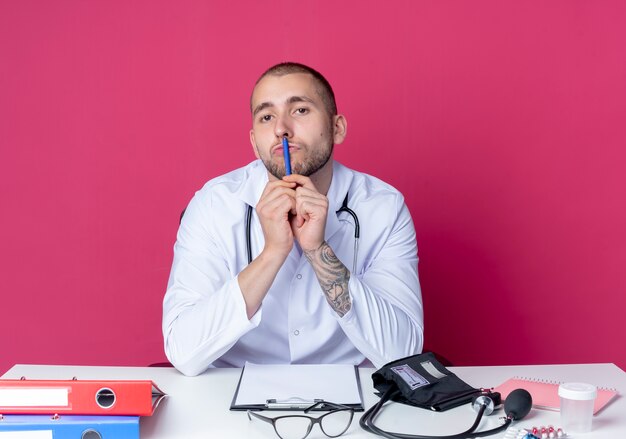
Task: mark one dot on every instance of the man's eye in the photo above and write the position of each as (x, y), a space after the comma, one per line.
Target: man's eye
(266, 118)
(302, 110)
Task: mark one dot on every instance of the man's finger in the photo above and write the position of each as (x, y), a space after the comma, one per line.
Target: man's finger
(300, 180)
(276, 192)
(273, 185)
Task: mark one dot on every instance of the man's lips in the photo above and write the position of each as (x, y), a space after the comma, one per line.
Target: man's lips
(278, 149)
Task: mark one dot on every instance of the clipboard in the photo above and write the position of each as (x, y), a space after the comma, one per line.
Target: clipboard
(292, 387)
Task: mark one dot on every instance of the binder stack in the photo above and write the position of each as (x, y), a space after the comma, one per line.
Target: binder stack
(75, 409)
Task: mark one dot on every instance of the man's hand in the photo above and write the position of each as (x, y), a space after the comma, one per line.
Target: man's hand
(308, 226)
(309, 222)
(276, 203)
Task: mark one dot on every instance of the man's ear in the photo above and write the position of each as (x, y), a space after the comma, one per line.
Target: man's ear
(340, 128)
(253, 143)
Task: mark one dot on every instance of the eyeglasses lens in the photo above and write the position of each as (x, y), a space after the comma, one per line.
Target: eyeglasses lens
(336, 423)
(292, 427)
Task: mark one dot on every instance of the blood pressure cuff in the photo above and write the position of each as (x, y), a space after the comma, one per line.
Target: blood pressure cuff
(422, 381)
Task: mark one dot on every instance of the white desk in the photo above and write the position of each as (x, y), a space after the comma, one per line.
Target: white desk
(198, 407)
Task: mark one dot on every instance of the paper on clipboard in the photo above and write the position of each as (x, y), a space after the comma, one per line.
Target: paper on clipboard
(338, 383)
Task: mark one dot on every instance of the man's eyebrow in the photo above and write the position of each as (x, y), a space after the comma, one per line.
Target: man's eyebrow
(261, 106)
(291, 100)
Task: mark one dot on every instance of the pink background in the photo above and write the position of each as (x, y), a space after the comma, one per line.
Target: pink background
(503, 123)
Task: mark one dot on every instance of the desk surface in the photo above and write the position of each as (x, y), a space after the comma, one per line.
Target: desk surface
(198, 407)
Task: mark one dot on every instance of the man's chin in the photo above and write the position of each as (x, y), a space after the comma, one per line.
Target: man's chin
(274, 170)
(296, 168)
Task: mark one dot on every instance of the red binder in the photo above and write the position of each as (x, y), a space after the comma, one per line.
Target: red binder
(79, 397)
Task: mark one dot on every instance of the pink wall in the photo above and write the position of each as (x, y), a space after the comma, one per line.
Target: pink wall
(502, 123)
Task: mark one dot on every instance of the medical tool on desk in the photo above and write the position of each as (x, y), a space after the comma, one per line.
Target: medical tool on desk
(422, 381)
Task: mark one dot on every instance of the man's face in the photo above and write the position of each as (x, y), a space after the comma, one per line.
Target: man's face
(290, 106)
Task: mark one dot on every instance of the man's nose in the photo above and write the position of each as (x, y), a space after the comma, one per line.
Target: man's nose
(283, 127)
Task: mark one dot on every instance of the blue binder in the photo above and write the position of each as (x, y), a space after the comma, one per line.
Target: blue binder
(71, 426)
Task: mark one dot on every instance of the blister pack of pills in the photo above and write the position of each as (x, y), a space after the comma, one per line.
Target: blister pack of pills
(535, 433)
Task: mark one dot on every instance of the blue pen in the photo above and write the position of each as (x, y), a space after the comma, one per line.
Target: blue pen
(286, 156)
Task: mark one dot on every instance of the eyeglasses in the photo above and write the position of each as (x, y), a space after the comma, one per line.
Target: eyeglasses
(333, 424)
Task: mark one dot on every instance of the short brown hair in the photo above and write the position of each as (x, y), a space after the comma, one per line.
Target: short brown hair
(324, 89)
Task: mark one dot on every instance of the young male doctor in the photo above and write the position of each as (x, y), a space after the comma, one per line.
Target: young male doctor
(309, 295)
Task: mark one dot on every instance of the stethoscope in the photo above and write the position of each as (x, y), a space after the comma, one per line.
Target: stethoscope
(516, 406)
(344, 208)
